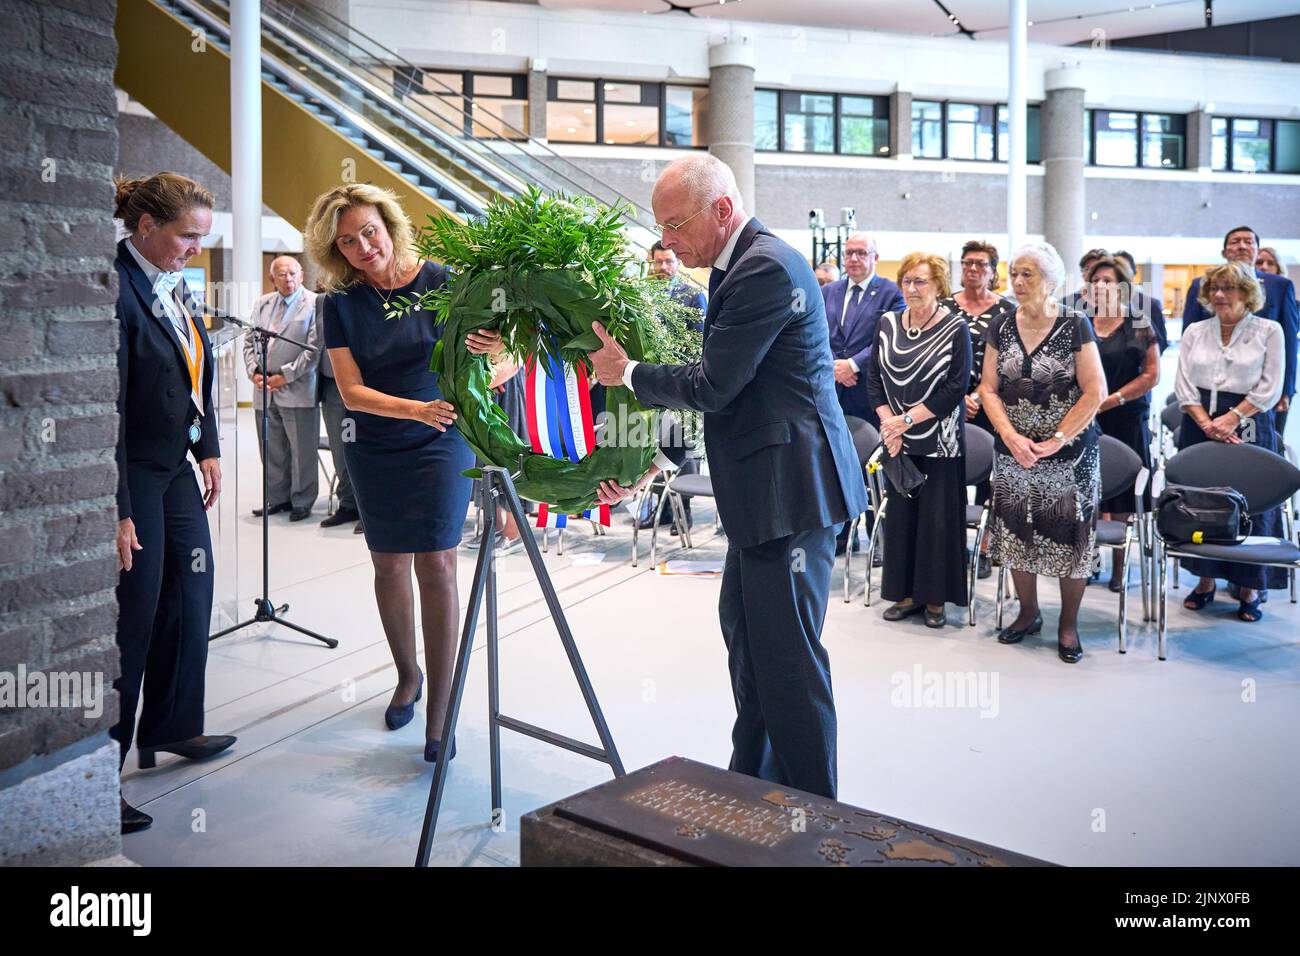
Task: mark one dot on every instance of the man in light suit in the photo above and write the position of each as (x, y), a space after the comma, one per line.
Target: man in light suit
(293, 428)
(1242, 245)
(854, 306)
(783, 466)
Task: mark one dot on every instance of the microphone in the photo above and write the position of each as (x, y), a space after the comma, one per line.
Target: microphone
(201, 306)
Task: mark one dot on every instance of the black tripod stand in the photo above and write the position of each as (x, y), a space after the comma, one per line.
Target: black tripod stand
(266, 611)
(496, 484)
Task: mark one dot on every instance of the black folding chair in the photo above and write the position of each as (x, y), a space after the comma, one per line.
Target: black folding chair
(1264, 478)
(979, 467)
(1121, 470)
(866, 441)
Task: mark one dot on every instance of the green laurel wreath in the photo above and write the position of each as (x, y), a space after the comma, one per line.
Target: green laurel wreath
(540, 269)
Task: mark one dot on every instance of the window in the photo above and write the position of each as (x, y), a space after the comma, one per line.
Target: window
(1163, 138)
(1126, 138)
(974, 131)
(864, 125)
(1115, 138)
(686, 112)
(927, 129)
(808, 122)
(624, 113)
(767, 121)
(631, 114)
(571, 111)
(799, 121)
(1244, 145)
(970, 131)
(499, 105)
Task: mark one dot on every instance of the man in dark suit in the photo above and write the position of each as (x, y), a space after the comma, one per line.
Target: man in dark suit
(854, 306)
(1242, 245)
(783, 466)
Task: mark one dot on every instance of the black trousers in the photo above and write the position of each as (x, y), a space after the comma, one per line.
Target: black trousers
(772, 606)
(164, 610)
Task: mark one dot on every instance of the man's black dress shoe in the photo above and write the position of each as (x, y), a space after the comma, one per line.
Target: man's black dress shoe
(133, 820)
(342, 516)
(1014, 635)
(274, 509)
(299, 514)
(1071, 655)
(896, 612)
(186, 749)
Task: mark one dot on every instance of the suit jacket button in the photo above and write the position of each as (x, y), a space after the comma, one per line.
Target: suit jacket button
(171, 391)
(171, 419)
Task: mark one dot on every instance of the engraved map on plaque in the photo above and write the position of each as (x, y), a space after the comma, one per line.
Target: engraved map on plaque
(709, 816)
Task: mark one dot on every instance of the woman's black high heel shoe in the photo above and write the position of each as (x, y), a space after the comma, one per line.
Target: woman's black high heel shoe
(1071, 655)
(432, 748)
(186, 749)
(1014, 635)
(1197, 600)
(398, 717)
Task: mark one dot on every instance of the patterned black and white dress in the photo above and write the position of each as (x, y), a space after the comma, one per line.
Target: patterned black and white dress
(925, 535)
(1044, 517)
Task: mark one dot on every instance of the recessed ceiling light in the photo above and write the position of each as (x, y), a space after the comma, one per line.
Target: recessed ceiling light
(586, 111)
(573, 129)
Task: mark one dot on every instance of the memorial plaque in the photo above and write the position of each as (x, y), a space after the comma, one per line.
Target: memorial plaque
(697, 814)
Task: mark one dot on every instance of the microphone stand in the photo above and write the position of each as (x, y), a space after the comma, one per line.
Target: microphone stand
(265, 610)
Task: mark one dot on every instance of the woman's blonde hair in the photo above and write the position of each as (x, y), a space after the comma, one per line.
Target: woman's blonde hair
(938, 270)
(1236, 274)
(334, 271)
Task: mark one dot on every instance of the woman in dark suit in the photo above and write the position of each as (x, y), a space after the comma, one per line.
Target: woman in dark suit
(165, 368)
(406, 457)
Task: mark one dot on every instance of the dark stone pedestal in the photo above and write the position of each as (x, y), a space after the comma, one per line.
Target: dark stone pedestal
(681, 813)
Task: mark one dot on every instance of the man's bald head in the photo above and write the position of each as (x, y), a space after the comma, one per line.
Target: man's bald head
(859, 256)
(286, 275)
(698, 206)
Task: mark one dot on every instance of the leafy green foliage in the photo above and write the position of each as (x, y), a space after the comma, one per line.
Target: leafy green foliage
(541, 269)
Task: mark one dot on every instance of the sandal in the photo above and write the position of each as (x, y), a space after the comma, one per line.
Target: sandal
(1250, 611)
(1197, 600)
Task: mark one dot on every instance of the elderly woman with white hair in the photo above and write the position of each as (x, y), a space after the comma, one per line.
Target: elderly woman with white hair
(1041, 386)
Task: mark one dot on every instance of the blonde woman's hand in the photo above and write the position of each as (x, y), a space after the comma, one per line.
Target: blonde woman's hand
(436, 414)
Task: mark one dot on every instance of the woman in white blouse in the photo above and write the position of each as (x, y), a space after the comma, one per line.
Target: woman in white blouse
(1229, 379)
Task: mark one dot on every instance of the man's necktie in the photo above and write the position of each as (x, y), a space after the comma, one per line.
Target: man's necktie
(854, 299)
(715, 279)
(278, 312)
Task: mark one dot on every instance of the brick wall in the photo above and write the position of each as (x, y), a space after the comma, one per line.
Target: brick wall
(58, 377)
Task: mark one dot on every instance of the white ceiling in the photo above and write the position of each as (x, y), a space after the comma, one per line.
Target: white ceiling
(1054, 21)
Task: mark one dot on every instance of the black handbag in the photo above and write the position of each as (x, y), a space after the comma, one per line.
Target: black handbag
(904, 477)
(1187, 515)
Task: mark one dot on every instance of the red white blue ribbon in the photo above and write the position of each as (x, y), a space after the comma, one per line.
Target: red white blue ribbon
(557, 403)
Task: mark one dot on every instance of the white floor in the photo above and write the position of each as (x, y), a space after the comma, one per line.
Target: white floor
(1117, 760)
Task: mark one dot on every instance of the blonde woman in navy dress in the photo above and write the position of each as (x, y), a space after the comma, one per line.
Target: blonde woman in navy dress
(406, 457)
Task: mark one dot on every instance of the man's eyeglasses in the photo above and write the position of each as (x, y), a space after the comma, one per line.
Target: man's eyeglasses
(974, 264)
(662, 227)
(858, 253)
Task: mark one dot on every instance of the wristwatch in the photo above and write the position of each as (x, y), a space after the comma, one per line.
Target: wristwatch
(1119, 397)
(1240, 417)
(907, 419)
(1060, 437)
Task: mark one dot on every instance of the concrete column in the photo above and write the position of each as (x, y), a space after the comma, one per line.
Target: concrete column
(1018, 68)
(537, 99)
(900, 124)
(731, 110)
(1200, 155)
(246, 151)
(1063, 182)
